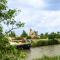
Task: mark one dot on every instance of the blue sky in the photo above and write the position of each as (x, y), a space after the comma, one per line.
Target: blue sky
(40, 15)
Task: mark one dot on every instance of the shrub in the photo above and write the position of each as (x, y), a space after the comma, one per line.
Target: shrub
(18, 38)
(52, 42)
(8, 52)
(44, 42)
(28, 37)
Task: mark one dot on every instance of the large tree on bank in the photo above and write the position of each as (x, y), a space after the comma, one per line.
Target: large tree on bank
(7, 17)
(8, 52)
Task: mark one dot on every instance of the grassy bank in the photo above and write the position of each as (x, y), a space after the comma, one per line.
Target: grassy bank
(48, 58)
(36, 43)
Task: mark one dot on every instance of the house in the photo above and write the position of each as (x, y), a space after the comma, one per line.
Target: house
(33, 34)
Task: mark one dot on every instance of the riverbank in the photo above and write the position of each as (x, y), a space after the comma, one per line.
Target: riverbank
(37, 43)
(48, 58)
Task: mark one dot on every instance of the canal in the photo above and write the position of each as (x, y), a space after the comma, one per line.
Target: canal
(39, 52)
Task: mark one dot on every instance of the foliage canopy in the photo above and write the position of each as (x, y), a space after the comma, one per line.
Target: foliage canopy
(7, 17)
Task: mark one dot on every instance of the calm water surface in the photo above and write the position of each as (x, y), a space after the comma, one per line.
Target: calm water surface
(38, 52)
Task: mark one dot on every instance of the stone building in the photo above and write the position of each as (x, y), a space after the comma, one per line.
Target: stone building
(33, 34)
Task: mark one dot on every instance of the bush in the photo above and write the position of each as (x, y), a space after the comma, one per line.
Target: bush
(8, 52)
(44, 42)
(18, 38)
(53, 42)
(28, 37)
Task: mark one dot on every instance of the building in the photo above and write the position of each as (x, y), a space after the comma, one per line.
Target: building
(33, 34)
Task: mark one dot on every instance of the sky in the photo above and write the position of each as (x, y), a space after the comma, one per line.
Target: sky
(40, 15)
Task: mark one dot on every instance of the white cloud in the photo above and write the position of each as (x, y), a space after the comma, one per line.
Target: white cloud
(48, 20)
(35, 18)
(42, 21)
(35, 3)
(26, 3)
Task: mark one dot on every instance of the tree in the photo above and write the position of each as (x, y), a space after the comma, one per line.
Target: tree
(42, 36)
(7, 17)
(52, 35)
(24, 34)
(12, 34)
(28, 37)
(1, 34)
(46, 35)
(58, 35)
(8, 52)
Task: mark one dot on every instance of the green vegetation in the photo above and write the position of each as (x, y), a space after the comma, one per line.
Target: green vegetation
(48, 58)
(24, 34)
(37, 43)
(51, 35)
(28, 37)
(18, 38)
(7, 17)
(47, 39)
(12, 34)
(8, 52)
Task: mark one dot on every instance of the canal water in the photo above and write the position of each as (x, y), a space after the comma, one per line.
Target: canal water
(39, 52)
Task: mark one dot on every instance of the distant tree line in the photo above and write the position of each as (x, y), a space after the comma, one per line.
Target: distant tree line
(52, 35)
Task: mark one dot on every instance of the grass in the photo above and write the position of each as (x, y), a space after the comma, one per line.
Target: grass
(36, 43)
(48, 58)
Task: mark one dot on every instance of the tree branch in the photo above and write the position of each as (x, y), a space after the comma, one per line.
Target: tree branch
(10, 30)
